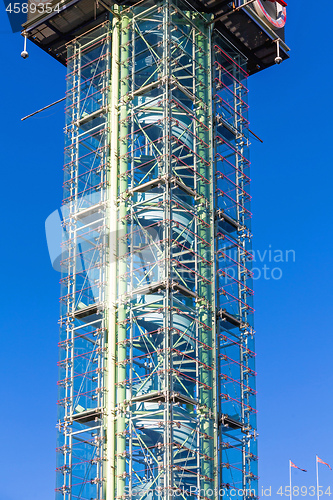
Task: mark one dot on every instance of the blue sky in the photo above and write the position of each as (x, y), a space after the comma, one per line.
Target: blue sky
(290, 109)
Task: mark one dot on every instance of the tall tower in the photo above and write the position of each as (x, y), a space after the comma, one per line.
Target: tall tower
(157, 361)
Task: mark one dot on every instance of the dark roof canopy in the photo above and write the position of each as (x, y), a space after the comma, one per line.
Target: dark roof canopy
(52, 31)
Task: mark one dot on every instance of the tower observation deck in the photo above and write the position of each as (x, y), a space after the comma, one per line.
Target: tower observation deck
(157, 361)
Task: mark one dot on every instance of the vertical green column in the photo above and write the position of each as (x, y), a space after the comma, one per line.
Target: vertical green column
(122, 251)
(206, 232)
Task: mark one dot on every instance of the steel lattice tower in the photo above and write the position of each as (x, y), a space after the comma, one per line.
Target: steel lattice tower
(157, 363)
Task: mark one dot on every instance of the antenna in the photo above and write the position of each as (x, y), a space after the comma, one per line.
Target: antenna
(278, 59)
(24, 52)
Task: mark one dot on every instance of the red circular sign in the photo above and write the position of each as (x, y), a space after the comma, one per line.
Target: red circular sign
(272, 12)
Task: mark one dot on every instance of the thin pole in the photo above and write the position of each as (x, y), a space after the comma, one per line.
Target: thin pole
(42, 109)
(255, 135)
(317, 477)
(291, 494)
(111, 470)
